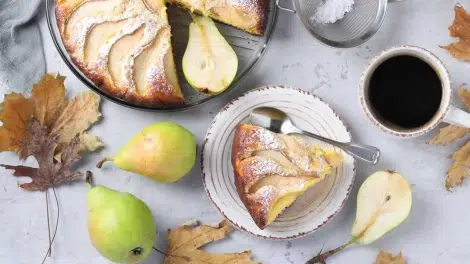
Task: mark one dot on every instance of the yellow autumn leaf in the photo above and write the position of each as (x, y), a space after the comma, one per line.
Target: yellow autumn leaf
(185, 243)
(16, 110)
(386, 258)
(48, 99)
(460, 167)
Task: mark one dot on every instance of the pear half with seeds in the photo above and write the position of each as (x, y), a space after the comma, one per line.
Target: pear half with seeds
(209, 62)
(383, 202)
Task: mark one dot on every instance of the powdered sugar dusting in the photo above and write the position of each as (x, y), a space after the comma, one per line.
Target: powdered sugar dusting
(330, 11)
(136, 15)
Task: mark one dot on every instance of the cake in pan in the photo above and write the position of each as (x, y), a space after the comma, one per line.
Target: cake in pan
(124, 46)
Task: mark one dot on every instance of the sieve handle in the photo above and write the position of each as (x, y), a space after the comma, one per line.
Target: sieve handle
(284, 8)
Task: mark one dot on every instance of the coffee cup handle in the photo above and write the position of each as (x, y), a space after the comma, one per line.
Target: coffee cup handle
(458, 117)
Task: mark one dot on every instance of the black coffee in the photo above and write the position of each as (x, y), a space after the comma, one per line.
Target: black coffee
(405, 91)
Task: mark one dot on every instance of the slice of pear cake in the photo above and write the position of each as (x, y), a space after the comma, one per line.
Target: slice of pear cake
(273, 170)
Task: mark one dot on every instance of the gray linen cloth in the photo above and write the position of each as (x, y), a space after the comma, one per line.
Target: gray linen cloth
(22, 60)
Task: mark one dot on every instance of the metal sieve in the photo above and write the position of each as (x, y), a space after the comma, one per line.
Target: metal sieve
(355, 28)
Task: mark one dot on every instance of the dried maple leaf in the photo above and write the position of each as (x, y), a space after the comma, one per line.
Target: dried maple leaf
(77, 116)
(460, 168)
(185, 241)
(386, 258)
(451, 133)
(50, 172)
(460, 29)
(50, 106)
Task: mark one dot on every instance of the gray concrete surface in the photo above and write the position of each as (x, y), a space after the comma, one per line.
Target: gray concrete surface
(436, 231)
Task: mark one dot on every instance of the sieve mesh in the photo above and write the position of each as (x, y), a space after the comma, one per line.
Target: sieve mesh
(355, 28)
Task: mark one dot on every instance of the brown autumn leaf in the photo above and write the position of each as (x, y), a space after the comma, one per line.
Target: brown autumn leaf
(49, 105)
(77, 116)
(185, 241)
(48, 99)
(16, 110)
(460, 168)
(464, 96)
(50, 172)
(460, 29)
(386, 258)
(448, 134)
(451, 133)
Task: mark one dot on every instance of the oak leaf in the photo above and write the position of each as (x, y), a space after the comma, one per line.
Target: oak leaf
(451, 133)
(460, 29)
(185, 243)
(49, 105)
(50, 172)
(460, 167)
(386, 258)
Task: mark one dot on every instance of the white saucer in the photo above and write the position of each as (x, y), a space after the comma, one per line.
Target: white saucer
(310, 211)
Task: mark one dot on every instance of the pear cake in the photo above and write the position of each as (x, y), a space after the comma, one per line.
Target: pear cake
(124, 46)
(272, 170)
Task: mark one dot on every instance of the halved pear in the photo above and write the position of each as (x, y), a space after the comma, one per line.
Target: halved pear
(383, 202)
(209, 62)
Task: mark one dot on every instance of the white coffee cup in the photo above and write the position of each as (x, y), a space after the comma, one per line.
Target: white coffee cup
(446, 112)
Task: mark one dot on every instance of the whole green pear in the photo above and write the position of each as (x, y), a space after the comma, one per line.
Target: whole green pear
(163, 151)
(121, 226)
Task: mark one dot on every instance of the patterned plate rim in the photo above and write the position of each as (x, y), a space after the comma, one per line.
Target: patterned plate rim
(203, 174)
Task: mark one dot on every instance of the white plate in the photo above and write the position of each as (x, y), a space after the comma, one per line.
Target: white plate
(310, 211)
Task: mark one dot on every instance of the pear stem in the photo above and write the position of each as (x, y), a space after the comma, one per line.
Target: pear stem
(321, 258)
(89, 179)
(100, 163)
(160, 251)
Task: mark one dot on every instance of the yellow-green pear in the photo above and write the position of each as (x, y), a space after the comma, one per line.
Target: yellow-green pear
(163, 151)
(209, 63)
(121, 226)
(383, 202)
